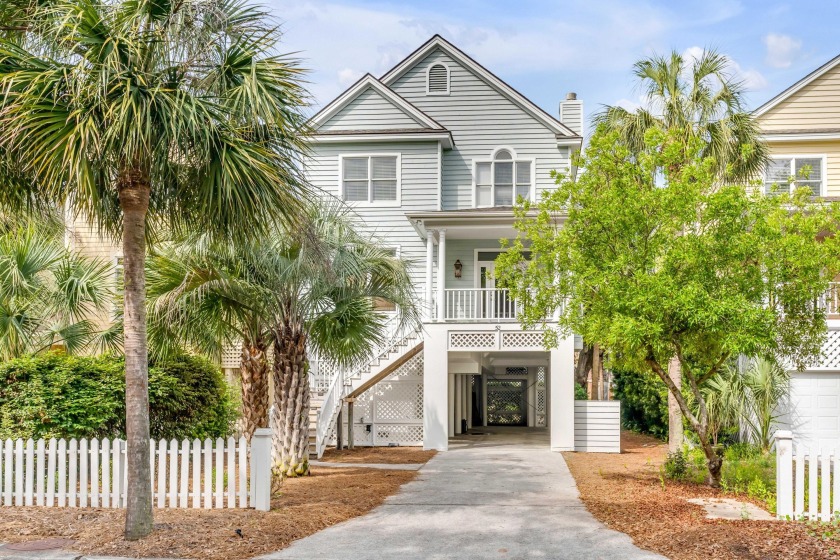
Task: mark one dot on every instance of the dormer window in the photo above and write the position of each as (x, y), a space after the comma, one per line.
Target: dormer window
(437, 80)
(501, 180)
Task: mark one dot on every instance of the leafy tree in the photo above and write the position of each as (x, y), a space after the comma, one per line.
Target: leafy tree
(700, 101)
(49, 296)
(142, 112)
(310, 293)
(689, 269)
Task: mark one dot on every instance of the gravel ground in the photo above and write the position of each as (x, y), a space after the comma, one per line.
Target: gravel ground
(626, 492)
(305, 506)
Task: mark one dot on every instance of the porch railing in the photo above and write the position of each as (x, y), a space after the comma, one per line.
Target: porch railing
(480, 304)
(831, 300)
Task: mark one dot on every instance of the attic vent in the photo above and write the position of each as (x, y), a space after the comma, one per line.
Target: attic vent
(438, 80)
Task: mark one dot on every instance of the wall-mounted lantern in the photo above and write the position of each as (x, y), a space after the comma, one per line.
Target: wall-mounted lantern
(458, 267)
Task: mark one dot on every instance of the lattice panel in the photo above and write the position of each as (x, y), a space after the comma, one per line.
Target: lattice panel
(541, 398)
(403, 434)
(831, 351)
(472, 341)
(413, 368)
(516, 371)
(400, 401)
(391, 412)
(231, 356)
(506, 403)
(521, 340)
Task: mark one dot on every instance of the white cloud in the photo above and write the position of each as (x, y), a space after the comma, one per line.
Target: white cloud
(750, 78)
(782, 50)
(335, 39)
(348, 76)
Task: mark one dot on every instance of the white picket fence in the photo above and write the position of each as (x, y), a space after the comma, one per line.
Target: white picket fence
(807, 482)
(208, 474)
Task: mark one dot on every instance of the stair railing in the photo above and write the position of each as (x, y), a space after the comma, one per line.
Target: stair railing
(338, 387)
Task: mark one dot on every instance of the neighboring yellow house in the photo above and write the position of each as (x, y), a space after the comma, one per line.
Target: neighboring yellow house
(802, 127)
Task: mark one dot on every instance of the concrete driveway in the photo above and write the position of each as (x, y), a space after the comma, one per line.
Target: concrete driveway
(498, 495)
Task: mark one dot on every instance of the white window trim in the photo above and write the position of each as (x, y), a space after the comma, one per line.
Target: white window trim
(448, 78)
(370, 203)
(793, 157)
(491, 160)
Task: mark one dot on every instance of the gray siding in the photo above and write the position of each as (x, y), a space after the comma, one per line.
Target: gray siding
(370, 111)
(481, 119)
(419, 179)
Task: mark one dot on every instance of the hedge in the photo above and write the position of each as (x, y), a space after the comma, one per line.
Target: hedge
(55, 395)
(644, 402)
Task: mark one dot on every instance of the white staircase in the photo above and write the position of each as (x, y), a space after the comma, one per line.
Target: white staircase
(323, 420)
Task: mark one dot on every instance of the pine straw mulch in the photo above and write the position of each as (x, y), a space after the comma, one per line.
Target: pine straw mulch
(625, 492)
(382, 455)
(304, 506)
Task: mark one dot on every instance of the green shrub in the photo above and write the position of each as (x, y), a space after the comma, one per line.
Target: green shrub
(580, 392)
(676, 465)
(644, 402)
(54, 395)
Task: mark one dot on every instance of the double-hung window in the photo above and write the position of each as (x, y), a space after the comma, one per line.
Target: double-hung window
(787, 173)
(502, 180)
(373, 179)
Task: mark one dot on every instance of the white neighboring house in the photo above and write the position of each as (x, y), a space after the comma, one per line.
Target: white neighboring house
(432, 156)
(802, 127)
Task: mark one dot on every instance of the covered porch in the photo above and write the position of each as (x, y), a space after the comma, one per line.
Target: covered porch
(460, 276)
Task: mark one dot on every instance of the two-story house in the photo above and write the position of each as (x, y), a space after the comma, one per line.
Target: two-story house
(432, 156)
(801, 125)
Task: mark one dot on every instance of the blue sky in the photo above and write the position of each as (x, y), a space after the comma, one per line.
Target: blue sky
(546, 49)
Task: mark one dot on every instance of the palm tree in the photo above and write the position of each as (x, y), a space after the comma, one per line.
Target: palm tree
(701, 100)
(312, 292)
(150, 111)
(204, 295)
(325, 289)
(49, 296)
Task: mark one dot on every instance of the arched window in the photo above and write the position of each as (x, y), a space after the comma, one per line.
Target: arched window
(501, 180)
(437, 82)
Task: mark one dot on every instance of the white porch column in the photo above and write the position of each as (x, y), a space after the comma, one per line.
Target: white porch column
(435, 390)
(459, 402)
(450, 410)
(469, 379)
(441, 279)
(430, 260)
(562, 401)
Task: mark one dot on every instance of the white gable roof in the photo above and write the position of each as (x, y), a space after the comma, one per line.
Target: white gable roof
(438, 42)
(364, 84)
(798, 86)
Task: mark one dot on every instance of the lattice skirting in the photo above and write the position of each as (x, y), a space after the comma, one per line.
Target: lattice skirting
(390, 412)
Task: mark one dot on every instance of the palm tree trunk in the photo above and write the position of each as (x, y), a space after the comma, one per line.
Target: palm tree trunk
(291, 402)
(253, 371)
(134, 191)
